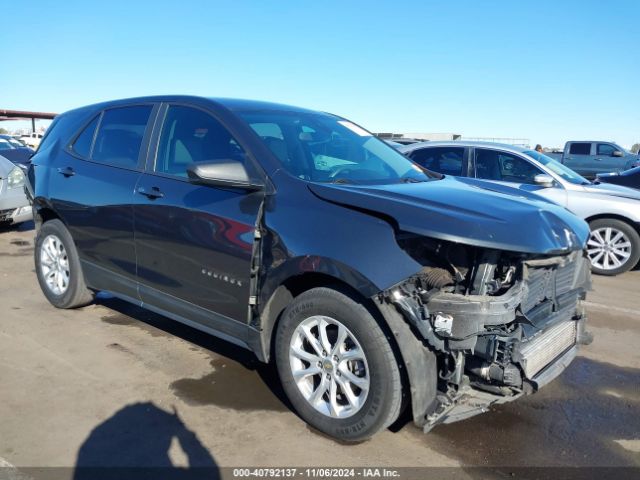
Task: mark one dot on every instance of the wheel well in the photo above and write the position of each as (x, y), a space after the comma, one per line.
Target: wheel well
(632, 224)
(299, 284)
(44, 215)
(294, 286)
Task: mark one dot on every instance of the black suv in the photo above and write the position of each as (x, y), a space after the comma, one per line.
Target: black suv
(374, 285)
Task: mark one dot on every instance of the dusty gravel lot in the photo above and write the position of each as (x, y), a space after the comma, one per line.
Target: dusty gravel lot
(111, 384)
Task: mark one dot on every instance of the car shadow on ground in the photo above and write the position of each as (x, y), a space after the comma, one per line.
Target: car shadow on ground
(238, 380)
(138, 442)
(589, 416)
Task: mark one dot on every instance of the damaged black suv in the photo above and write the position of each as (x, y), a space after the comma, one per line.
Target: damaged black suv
(373, 284)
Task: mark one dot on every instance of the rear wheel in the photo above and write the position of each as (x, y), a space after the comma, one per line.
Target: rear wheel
(613, 246)
(337, 366)
(58, 267)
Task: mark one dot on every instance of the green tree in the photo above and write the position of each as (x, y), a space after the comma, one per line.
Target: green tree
(3, 131)
(635, 148)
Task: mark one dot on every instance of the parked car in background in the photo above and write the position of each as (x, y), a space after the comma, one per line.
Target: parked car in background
(302, 237)
(14, 205)
(613, 211)
(32, 139)
(15, 151)
(589, 158)
(629, 178)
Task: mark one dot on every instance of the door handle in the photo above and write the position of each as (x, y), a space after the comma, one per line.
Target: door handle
(151, 194)
(66, 171)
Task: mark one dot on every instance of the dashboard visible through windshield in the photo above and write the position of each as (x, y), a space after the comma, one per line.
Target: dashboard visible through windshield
(323, 148)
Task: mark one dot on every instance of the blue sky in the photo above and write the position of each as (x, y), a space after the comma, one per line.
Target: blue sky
(545, 70)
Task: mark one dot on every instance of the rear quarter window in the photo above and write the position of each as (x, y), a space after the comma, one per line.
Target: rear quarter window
(82, 145)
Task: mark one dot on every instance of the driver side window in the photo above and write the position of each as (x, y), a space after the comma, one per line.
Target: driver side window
(501, 166)
(190, 135)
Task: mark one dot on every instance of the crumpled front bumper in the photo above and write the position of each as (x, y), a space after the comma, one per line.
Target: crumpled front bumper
(472, 401)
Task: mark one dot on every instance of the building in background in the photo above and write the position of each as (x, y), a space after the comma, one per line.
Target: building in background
(432, 137)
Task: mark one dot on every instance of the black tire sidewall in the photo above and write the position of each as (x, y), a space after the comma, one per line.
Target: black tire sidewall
(634, 239)
(385, 385)
(76, 282)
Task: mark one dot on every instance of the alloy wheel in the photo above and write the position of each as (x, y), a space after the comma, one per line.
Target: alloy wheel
(54, 264)
(608, 248)
(329, 366)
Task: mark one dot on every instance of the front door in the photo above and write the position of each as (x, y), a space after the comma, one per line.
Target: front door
(194, 243)
(510, 169)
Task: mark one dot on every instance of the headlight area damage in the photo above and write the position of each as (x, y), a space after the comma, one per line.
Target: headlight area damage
(500, 324)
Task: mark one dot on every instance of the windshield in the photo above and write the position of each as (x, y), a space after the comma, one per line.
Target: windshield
(558, 168)
(15, 142)
(323, 148)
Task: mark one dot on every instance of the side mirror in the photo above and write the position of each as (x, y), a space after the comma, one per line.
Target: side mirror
(225, 173)
(543, 180)
(617, 153)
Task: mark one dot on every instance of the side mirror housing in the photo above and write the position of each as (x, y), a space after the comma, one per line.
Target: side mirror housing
(544, 180)
(617, 153)
(225, 173)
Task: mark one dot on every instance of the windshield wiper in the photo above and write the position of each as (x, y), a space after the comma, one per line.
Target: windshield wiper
(341, 181)
(411, 180)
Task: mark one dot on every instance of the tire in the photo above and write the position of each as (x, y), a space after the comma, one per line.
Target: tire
(58, 267)
(372, 377)
(613, 246)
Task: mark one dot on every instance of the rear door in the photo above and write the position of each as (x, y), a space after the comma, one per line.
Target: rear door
(92, 188)
(194, 242)
(579, 158)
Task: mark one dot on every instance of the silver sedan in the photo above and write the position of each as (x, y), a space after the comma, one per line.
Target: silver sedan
(612, 211)
(14, 206)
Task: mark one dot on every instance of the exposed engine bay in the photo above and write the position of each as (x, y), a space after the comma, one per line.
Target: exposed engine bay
(501, 324)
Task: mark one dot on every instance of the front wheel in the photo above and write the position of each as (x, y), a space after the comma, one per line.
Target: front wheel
(337, 366)
(613, 246)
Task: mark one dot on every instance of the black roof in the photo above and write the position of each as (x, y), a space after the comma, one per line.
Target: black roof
(233, 104)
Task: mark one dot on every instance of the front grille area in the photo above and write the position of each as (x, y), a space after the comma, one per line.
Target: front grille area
(549, 282)
(545, 347)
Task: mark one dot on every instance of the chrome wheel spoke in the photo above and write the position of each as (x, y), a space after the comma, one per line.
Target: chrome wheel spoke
(313, 341)
(319, 392)
(304, 355)
(341, 338)
(348, 392)
(334, 408)
(307, 372)
(352, 354)
(324, 339)
(360, 382)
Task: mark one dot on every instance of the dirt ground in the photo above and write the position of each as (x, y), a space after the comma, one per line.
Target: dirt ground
(111, 384)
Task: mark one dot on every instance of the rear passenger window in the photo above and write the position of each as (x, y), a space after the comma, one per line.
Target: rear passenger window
(120, 136)
(82, 145)
(191, 136)
(446, 160)
(580, 149)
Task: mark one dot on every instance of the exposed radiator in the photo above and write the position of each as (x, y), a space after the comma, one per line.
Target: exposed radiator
(542, 349)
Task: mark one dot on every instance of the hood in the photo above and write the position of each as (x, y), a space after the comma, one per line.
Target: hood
(613, 189)
(472, 214)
